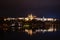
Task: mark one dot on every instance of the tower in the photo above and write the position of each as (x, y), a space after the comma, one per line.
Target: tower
(43, 18)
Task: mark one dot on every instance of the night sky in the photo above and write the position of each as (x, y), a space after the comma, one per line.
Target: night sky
(40, 8)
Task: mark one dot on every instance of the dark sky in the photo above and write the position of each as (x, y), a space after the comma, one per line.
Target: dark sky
(15, 8)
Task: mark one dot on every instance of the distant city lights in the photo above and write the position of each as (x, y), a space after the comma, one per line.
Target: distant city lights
(31, 17)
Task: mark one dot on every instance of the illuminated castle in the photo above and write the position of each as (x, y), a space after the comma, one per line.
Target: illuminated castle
(30, 17)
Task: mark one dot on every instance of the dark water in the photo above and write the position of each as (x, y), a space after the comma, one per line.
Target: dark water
(25, 36)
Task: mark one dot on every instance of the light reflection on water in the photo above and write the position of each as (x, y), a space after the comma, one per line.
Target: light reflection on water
(30, 32)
